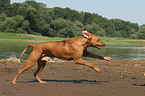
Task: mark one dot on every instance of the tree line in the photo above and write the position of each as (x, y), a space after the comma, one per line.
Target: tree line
(31, 17)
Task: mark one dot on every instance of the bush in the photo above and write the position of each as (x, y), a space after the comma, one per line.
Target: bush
(95, 29)
(137, 36)
(15, 24)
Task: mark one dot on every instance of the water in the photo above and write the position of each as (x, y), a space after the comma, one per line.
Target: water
(13, 49)
(116, 51)
(121, 53)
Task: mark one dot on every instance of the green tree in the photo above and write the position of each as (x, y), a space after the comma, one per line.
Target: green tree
(46, 14)
(34, 18)
(2, 19)
(36, 5)
(43, 19)
(77, 28)
(62, 28)
(72, 15)
(140, 34)
(95, 29)
(3, 15)
(67, 13)
(88, 18)
(15, 24)
(124, 27)
(142, 29)
(26, 26)
(4, 4)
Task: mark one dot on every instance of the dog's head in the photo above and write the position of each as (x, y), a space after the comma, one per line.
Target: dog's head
(93, 40)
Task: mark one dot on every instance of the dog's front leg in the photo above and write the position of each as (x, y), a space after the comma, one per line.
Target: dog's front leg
(88, 54)
(80, 61)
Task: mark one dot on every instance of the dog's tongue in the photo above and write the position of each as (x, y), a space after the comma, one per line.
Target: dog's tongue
(98, 47)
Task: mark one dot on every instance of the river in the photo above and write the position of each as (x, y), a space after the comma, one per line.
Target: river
(116, 51)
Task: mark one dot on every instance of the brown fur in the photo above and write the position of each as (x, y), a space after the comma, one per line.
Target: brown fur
(73, 48)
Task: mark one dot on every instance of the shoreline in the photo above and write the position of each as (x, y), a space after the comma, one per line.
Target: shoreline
(39, 38)
(17, 60)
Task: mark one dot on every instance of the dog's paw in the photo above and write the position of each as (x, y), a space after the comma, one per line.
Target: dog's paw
(98, 70)
(42, 82)
(107, 58)
(13, 82)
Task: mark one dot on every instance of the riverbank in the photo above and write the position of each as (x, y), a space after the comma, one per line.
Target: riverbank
(27, 37)
(39, 38)
(119, 78)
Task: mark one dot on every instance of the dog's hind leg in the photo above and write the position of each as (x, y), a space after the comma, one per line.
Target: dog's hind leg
(41, 65)
(33, 58)
(26, 66)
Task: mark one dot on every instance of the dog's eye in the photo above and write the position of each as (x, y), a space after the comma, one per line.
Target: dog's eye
(98, 39)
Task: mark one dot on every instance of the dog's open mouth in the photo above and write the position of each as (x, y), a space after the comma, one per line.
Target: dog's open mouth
(98, 46)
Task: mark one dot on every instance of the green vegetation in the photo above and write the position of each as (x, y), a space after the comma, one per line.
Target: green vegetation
(36, 38)
(31, 17)
(27, 37)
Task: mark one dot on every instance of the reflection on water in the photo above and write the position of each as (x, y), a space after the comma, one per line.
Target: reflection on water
(14, 49)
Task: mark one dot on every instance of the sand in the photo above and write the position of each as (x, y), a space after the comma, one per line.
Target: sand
(118, 78)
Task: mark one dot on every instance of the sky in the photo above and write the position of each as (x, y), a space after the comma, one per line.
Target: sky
(128, 10)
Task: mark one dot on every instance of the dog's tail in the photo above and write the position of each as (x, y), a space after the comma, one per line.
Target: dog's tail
(32, 45)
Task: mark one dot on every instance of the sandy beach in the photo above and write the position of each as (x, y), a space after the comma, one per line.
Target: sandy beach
(118, 78)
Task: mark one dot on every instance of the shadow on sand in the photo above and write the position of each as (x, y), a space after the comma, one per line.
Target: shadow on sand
(83, 81)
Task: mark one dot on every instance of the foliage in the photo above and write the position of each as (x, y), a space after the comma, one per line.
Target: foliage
(4, 4)
(140, 34)
(35, 18)
(15, 24)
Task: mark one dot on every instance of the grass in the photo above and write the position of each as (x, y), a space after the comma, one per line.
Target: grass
(29, 37)
(121, 40)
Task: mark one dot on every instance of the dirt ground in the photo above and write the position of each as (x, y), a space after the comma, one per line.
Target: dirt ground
(119, 78)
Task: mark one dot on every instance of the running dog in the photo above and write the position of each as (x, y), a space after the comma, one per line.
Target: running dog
(73, 48)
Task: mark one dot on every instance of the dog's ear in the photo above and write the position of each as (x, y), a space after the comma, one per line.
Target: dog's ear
(86, 34)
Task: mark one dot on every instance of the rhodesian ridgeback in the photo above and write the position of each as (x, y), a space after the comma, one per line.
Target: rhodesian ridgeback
(73, 48)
